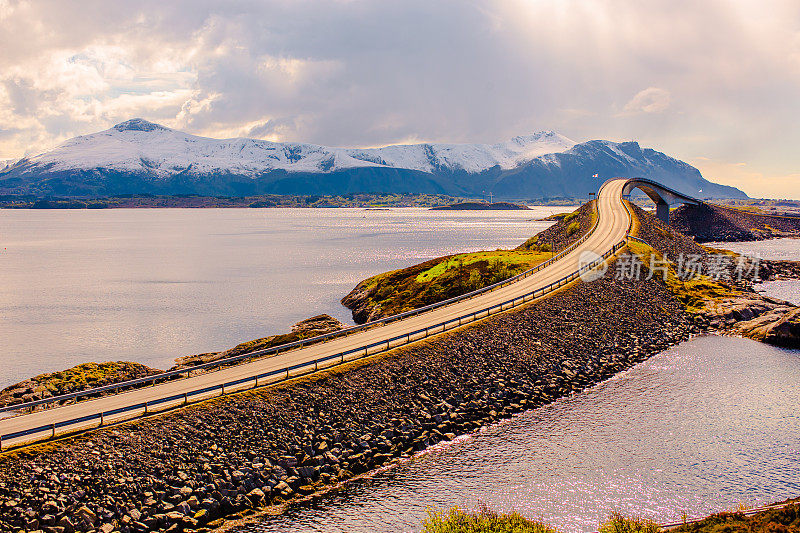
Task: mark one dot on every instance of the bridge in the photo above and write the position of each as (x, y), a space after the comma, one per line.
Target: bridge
(660, 195)
(177, 388)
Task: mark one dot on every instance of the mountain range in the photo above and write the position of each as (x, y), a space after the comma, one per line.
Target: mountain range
(138, 156)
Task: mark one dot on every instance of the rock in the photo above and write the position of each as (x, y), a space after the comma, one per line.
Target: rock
(256, 497)
(86, 515)
(317, 325)
(757, 317)
(785, 331)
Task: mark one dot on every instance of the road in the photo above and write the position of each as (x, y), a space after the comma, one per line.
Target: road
(612, 226)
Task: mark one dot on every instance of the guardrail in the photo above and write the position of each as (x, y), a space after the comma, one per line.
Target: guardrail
(314, 365)
(186, 372)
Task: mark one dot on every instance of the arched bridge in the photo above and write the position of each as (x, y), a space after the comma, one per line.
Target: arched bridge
(661, 195)
(115, 402)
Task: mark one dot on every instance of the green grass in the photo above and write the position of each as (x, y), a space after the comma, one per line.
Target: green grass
(783, 520)
(573, 228)
(692, 293)
(88, 375)
(483, 521)
(617, 523)
(446, 277)
(512, 260)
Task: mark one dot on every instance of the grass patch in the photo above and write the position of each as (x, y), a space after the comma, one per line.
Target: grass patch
(692, 293)
(441, 279)
(573, 228)
(89, 375)
(617, 523)
(771, 521)
(510, 260)
(483, 521)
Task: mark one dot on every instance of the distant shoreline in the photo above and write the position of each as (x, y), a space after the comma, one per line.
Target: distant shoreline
(359, 200)
(480, 206)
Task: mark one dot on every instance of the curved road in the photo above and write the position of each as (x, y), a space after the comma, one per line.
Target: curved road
(612, 226)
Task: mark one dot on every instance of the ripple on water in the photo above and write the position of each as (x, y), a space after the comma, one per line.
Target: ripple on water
(788, 290)
(703, 426)
(776, 249)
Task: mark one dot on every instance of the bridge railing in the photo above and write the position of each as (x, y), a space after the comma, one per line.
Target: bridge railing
(20, 408)
(300, 369)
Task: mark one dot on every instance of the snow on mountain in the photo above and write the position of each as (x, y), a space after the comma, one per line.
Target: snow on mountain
(140, 157)
(138, 145)
(5, 163)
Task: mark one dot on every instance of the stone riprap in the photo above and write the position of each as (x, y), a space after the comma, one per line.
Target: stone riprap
(709, 223)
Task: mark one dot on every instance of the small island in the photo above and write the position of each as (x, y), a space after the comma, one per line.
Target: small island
(480, 206)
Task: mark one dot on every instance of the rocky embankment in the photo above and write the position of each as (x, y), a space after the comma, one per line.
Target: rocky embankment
(186, 469)
(708, 223)
(78, 378)
(305, 329)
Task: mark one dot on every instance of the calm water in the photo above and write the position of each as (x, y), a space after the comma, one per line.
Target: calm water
(788, 290)
(704, 426)
(150, 285)
(788, 249)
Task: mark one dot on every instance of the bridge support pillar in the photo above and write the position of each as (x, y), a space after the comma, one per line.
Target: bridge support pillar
(662, 212)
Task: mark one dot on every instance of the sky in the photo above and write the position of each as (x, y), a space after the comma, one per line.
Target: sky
(714, 83)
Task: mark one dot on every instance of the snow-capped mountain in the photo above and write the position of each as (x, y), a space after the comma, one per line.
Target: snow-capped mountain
(5, 163)
(138, 156)
(140, 146)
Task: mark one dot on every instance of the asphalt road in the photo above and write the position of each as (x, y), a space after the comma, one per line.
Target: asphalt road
(612, 226)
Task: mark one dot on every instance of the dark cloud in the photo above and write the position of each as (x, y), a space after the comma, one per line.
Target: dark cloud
(716, 79)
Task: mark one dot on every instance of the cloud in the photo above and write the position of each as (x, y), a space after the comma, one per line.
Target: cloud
(650, 100)
(367, 73)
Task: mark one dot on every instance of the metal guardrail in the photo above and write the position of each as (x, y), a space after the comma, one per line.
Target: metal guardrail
(314, 365)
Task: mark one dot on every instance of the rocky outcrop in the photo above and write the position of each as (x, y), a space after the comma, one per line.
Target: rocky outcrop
(762, 319)
(778, 270)
(310, 327)
(754, 316)
(81, 377)
(317, 325)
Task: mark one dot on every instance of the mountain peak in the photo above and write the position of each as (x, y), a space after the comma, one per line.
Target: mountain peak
(139, 124)
(543, 136)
